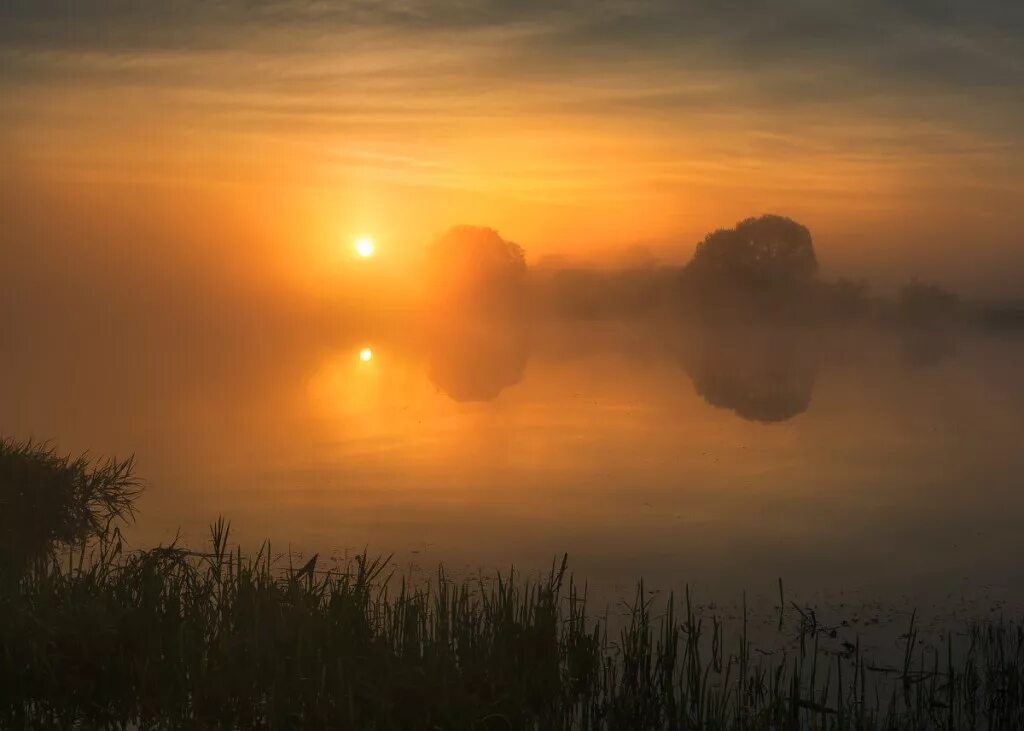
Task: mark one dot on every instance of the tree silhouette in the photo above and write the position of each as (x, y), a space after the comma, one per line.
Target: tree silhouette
(475, 265)
(770, 250)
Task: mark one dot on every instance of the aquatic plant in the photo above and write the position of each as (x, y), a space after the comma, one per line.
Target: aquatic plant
(93, 635)
(49, 500)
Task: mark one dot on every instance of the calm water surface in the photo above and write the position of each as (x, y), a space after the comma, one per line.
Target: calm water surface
(854, 461)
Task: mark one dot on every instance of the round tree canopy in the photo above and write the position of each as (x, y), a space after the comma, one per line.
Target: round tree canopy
(758, 250)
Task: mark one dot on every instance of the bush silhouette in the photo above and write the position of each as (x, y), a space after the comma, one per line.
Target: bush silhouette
(475, 264)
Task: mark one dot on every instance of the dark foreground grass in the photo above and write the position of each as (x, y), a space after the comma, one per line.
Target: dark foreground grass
(96, 637)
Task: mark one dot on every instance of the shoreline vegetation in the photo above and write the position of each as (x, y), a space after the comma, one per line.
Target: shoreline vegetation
(93, 635)
(764, 271)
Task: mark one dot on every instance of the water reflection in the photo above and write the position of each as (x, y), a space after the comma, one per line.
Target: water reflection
(924, 347)
(764, 375)
(761, 374)
(602, 447)
(476, 358)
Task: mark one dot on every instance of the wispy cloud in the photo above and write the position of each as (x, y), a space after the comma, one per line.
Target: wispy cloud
(816, 105)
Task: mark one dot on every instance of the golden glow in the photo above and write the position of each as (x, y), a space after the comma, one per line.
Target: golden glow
(365, 248)
(400, 154)
(366, 355)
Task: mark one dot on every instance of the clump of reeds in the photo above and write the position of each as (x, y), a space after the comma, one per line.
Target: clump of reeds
(49, 500)
(170, 638)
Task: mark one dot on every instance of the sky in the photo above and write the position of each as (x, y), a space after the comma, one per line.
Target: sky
(248, 143)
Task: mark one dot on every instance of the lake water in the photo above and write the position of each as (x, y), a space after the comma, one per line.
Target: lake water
(855, 462)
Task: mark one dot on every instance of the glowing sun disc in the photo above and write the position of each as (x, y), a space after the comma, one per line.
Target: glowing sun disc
(364, 246)
(366, 355)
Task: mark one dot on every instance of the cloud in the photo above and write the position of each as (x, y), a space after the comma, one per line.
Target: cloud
(699, 111)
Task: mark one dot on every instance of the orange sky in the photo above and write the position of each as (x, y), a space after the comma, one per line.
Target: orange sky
(626, 132)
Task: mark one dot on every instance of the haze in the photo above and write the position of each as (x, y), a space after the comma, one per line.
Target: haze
(241, 147)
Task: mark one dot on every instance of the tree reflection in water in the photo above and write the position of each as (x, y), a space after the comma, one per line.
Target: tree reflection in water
(475, 358)
(764, 374)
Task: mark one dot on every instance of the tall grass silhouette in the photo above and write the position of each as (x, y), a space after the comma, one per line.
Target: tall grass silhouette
(93, 635)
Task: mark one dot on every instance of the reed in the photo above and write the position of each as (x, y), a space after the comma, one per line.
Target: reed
(96, 636)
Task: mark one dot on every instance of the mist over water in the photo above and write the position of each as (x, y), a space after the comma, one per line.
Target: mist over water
(843, 459)
(710, 299)
(565, 409)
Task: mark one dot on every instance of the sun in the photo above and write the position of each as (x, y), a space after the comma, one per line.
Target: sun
(366, 355)
(365, 246)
